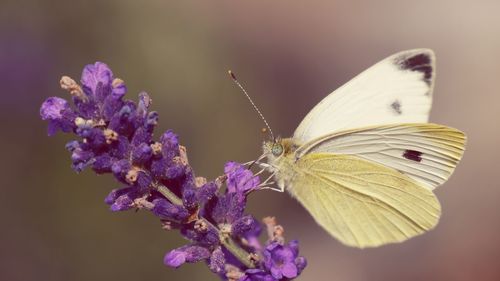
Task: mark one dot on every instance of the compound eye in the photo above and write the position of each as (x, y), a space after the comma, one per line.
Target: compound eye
(277, 149)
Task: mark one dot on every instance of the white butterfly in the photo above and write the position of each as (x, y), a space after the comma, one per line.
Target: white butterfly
(364, 161)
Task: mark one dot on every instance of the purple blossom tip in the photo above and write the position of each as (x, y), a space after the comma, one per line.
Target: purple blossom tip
(175, 258)
(170, 144)
(96, 73)
(240, 179)
(190, 254)
(59, 114)
(122, 199)
(122, 203)
(282, 261)
(245, 226)
(256, 274)
(217, 261)
(168, 211)
(52, 108)
(119, 88)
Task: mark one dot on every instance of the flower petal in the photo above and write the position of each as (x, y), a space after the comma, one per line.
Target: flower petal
(289, 270)
(95, 74)
(52, 108)
(175, 258)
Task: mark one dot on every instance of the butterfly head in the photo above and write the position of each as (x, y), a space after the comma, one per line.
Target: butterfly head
(277, 153)
(275, 149)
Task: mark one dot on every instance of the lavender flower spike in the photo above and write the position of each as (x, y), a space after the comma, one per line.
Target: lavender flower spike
(115, 136)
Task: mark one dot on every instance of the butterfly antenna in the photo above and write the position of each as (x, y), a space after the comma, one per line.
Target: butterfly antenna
(251, 101)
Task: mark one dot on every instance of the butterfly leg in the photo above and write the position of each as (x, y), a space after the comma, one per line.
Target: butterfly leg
(264, 165)
(267, 184)
(278, 189)
(268, 167)
(266, 181)
(260, 172)
(251, 163)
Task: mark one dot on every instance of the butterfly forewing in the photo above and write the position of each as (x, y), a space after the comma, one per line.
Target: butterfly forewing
(398, 89)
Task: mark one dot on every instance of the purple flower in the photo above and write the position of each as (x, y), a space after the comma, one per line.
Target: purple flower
(217, 261)
(246, 226)
(168, 211)
(240, 179)
(190, 254)
(257, 275)
(121, 169)
(52, 108)
(201, 233)
(103, 163)
(96, 80)
(122, 199)
(282, 260)
(115, 136)
(206, 192)
(59, 114)
(170, 145)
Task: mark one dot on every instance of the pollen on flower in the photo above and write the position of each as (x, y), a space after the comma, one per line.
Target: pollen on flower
(156, 147)
(117, 82)
(82, 123)
(166, 225)
(143, 203)
(233, 273)
(183, 155)
(274, 231)
(110, 135)
(200, 181)
(100, 123)
(68, 84)
(225, 230)
(178, 160)
(132, 175)
(201, 226)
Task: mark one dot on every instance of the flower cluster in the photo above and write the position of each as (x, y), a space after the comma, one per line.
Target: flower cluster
(116, 136)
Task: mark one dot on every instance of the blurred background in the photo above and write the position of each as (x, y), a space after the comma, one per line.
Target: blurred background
(289, 54)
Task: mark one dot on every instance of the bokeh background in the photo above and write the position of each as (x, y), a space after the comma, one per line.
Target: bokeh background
(289, 54)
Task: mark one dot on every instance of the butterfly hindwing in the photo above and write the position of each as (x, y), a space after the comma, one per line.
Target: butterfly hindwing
(361, 203)
(426, 152)
(398, 89)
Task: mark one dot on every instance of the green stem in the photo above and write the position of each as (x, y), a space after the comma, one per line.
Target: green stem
(242, 255)
(169, 195)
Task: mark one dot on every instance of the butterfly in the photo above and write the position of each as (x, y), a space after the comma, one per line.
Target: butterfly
(365, 161)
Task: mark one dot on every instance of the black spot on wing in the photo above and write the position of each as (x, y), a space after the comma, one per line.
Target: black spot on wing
(420, 59)
(421, 62)
(413, 155)
(427, 70)
(396, 106)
